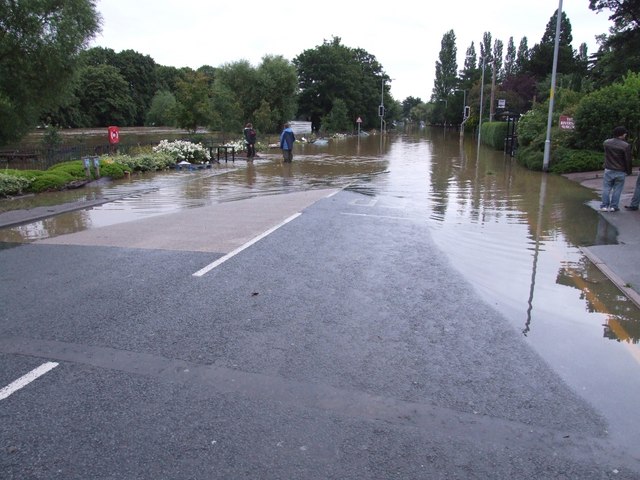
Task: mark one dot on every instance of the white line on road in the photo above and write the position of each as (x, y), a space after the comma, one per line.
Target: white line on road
(25, 380)
(221, 260)
(377, 216)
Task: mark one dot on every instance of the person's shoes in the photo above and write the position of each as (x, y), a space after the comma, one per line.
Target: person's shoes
(604, 209)
(614, 209)
(629, 207)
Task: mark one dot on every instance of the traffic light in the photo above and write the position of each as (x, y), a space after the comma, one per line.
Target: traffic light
(467, 112)
(381, 111)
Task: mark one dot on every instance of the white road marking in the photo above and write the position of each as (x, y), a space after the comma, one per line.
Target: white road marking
(221, 260)
(376, 216)
(25, 380)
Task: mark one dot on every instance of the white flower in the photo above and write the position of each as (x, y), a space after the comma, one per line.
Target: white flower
(183, 150)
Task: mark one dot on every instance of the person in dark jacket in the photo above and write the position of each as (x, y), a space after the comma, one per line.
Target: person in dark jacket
(250, 141)
(287, 138)
(617, 165)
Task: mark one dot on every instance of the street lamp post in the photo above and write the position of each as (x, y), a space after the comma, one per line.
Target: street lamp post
(547, 143)
(481, 102)
(381, 110)
(464, 111)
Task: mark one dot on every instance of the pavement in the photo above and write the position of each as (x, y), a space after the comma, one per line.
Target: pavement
(619, 262)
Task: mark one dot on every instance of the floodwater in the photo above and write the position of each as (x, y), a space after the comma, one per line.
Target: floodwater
(514, 234)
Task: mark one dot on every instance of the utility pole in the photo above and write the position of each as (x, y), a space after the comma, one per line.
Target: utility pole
(547, 143)
(493, 90)
(481, 103)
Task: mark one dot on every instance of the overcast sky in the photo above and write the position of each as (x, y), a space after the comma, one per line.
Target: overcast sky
(403, 35)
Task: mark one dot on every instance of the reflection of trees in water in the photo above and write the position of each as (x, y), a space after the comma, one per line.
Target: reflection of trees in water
(49, 227)
(623, 322)
(492, 188)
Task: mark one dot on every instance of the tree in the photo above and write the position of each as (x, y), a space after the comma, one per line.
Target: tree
(408, 104)
(167, 77)
(337, 120)
(446, 68)
(625, 16)
(470, 73)
(39, 47)
(619, 52)
(498, 48)
(522, 57)
(277, 85)
(540, 61)
(193, 98)
(104, 98)
(332, 70)
(162, 110)
(241, 79)
(485, 49)
(139, 71)
(226, 111)
(510, 68)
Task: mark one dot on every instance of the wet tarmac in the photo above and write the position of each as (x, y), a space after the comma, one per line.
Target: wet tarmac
(526, 242)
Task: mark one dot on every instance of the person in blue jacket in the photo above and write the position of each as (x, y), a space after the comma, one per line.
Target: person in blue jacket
(287, 138)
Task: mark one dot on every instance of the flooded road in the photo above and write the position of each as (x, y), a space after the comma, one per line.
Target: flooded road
(514, 234)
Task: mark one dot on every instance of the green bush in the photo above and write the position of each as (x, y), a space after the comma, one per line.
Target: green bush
(111, 169)
(531, 126)
(601, 111)
(51, 181)
(30, 174)
(75, 168)
(531, 158)
(494, 133)
(143, 163)
(11, 185)
(566, 160)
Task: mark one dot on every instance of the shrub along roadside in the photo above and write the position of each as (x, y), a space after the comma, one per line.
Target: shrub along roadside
(62, 175)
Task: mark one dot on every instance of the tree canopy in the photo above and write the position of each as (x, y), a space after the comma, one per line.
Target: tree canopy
(333, 71)
(39, 46)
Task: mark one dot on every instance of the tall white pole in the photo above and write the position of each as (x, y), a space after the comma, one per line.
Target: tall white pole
(481, 103)
(382, 105)
(547, 143)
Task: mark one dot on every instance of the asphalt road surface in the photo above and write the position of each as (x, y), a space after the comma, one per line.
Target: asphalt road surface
(315, 335)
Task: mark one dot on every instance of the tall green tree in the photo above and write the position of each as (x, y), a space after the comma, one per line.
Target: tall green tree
(104, 98)
(277, 84)
(446, 68)
(540, 61)
(408, 104)
(227, 113)
(498, 48)
(522, 57)
(39, 46)
(241, 78)
(470, 74)
(331, 71)
(162, 110)
(139, 71)
(193, 97)
(485, 50)
(337, 120)
(510, 59)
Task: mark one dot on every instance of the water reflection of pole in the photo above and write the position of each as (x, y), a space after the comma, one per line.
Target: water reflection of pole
(543, 191)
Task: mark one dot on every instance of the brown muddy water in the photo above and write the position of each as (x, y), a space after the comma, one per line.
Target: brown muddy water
(514, 234)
